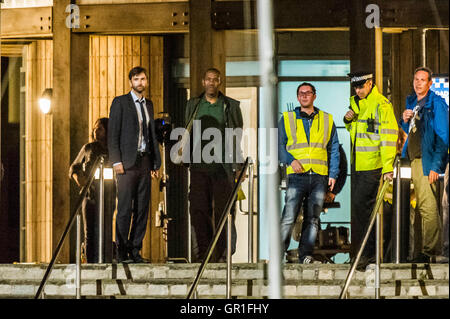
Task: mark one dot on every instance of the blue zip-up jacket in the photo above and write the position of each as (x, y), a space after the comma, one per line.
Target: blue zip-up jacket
(434, 132)
(333, 145)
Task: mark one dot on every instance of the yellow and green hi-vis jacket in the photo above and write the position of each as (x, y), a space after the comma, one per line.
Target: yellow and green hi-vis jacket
(312, 155)
(373, 132)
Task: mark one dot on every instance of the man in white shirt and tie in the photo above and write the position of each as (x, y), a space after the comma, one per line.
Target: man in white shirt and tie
(134, 152)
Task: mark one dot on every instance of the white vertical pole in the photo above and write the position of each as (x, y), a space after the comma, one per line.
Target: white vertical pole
(101, 211)
(270, 189)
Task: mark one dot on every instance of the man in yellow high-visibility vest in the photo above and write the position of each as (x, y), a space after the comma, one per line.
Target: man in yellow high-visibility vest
(373, 132)
(307, 142)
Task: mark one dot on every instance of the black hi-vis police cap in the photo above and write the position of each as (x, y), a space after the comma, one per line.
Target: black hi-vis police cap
(359, 78)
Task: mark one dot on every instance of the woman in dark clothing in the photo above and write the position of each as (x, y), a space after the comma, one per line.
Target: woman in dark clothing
(79, 171)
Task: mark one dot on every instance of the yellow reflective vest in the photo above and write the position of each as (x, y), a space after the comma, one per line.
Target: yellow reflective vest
(313, 155)
(373, 132)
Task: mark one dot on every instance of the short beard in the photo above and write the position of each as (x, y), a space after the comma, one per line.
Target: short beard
(137, 90)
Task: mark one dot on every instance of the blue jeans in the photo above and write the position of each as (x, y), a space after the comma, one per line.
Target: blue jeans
(308, 188)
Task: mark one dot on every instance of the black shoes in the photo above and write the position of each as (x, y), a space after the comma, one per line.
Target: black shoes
(124, 260)
(137, 258)
(131, 257)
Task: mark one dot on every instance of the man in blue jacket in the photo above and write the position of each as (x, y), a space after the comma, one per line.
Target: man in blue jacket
(426, 122)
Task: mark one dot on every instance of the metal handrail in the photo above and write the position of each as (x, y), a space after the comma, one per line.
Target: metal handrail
(397, 218)
(373, 217)
(250, 211)
(101, 210)
(222, 222)
(74, 216)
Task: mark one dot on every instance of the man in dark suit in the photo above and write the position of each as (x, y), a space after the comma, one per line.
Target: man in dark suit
(134, 152)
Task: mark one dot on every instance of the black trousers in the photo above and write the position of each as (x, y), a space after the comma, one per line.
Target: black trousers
(90, 225)
(364, 188)
(91, 222)
(208, 195)
(133, 194)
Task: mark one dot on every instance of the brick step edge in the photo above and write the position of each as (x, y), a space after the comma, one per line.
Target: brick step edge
(254, 282)
(241, 288)
(240, 274)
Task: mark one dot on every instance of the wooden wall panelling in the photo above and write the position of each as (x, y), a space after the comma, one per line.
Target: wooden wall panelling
(126, 61)
(111, 75)
(38, 160)
(94, 90)
(30, 169)
(103, 78)
(120, 74)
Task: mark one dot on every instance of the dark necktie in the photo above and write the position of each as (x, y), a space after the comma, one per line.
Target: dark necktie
(144, 124)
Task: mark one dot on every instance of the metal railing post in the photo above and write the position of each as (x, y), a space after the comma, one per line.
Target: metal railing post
(379, 242)
(229, 260)
(250, 211)
(373, 216)
(78, 261)
(219, 228)
(101, 211)
(397, 218)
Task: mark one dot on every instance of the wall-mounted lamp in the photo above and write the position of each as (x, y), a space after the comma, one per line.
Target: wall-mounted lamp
(45, 101)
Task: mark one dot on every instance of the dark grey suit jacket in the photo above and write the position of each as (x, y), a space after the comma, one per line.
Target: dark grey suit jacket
(123, 133)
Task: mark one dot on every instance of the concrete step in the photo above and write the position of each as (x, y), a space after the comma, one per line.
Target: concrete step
(218, 271)
(111, 281)
(178, 288)
(149, 297)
